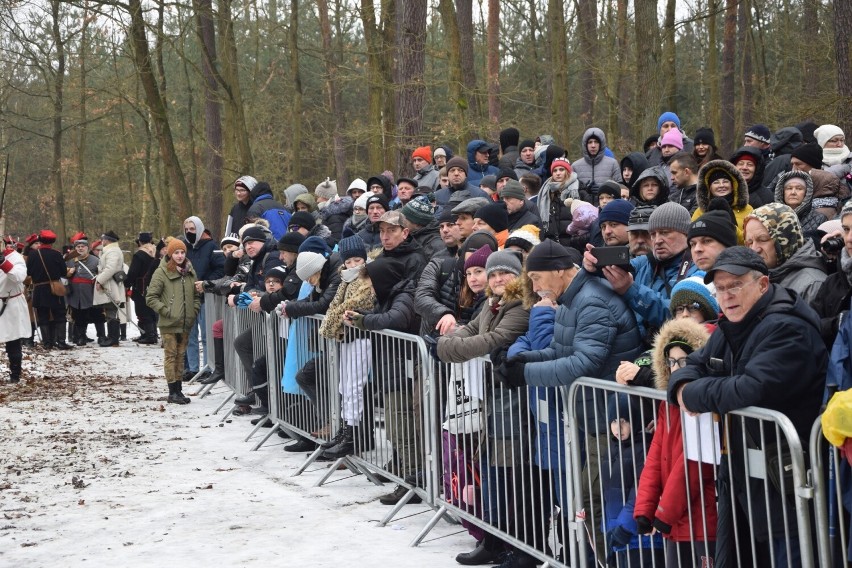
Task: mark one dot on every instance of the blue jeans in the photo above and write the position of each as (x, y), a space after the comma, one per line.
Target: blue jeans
(192, 354)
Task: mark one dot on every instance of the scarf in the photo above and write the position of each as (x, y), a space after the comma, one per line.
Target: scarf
(835, 156)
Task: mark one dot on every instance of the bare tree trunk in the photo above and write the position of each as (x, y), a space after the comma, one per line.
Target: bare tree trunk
(334, 105)
(56, 136)
(622, 88)
(168, 155)
(560, 117)
(809, 44)
(843, 63)
(388, 14)
(646, 72)
(728, 90)
(713, 67)
(212, 153)
(587, 28)
(465, 21)
(296, 78)
(80, 220)
(669, 59)
(230, 80)
(458, 95)
(376, 87)
(746, 50)
(493, 48)
(410, 69)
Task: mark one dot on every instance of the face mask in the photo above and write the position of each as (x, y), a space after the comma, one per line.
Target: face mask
(349, 275)
(190, 238)
(357, 218)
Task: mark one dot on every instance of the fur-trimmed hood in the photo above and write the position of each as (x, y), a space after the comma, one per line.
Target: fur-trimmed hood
(740, 187)
(515, 290)
(689, 331)
(805, 206)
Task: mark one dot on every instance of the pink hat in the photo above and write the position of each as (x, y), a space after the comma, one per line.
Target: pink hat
(672, 138)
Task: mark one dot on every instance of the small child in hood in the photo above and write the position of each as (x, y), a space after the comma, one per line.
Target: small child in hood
(583, 216)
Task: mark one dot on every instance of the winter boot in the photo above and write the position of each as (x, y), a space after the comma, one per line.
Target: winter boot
(487, 551)
(15, 369)
(337, 438)
(345, 447)
(174, 396)
(179, 391)
(219, 362)
(79, 335)
(149, 334)
(47, 340)
(246, 399)
(122, 332)
(111, 340)
(99, 331)
(59, 331)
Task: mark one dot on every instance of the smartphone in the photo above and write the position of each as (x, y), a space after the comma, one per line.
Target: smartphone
(612, 256)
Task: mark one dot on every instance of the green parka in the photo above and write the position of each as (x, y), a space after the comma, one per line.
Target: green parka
(172, 295)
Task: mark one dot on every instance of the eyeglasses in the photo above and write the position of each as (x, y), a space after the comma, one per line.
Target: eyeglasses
(734, 290)
(693, 307)
(679, 363)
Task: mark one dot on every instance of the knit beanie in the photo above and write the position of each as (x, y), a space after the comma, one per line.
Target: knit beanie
(302, 219)
(505, 260)
(424, 152)
(418, 211)
(315, 244)
(668, 117)
(247, 182)
(254, 234)
(782, 224)
(670, 215)
(507, 173)
(811, 154)
(561, 162)
(705, 136)
(691, 290)
(380, 199)
(610, 187)
(357, 183)
(526, 144)
(478, 258)
(513, 189)
(550, 255)
(361, 202)
(672, 138)
(494, 215)
(291, 241)
(525, 238)
(439, 151)
(716, 225)
(759, 132)
(327, 189)
(617, 210)
(457, 162)
(175, 244)
(142, 238)
(509, 137)
(826, 132)
(847, 209)
(352, 247)
(309, 263)
(489, 181)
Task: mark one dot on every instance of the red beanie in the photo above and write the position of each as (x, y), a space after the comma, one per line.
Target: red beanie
(561, 162)
(423, 152)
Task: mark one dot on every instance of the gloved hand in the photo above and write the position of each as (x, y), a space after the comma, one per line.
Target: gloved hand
(357, 321)
(498, 356)
(280, 309)
(644, 525)
(511, 374)
(662, 527)
(619, 537)
(244, 300)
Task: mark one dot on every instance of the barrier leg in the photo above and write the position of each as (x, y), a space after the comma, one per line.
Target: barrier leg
(336, 467)
(316, 453)
(257, 427)
(396, 508)
(224, 402)
(439, 514)
(231, 411)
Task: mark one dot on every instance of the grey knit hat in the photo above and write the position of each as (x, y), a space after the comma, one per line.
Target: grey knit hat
(847, 209)
(514, 189)
(506, 260)
(309, 263)
(672, 216)
(327, 189)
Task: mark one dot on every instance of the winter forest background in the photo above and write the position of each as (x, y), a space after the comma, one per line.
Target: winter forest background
(131, 115)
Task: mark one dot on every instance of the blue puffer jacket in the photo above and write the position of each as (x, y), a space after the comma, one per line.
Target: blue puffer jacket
(207, 262)
(476, 171)
(648, 297)
(594, 330)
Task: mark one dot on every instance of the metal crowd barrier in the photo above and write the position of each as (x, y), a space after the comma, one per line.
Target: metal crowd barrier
(747, 470)
(832, 477)
(214, 306)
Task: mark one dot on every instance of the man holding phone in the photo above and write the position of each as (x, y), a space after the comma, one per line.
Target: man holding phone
(648, 288)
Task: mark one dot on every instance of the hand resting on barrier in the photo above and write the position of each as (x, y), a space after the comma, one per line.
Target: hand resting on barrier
(626, 372)
(510, 373)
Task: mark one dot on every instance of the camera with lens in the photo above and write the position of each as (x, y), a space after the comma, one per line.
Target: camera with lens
(833, 245)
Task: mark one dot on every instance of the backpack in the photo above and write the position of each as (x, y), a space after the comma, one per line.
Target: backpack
(279, 221)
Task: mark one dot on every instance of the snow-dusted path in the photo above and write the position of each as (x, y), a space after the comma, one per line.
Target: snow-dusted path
(97, 470)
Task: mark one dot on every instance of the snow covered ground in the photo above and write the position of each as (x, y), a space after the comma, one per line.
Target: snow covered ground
(97, 469)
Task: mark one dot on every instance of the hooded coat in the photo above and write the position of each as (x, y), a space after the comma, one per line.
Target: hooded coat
(369, 233)
(681, 496)
(262, 202)
(292, 192)
(809, 218)
(657, 173)
(428, 177)
(773, 358)
(477, 171)
(172, 295)
(208, 265)
(830, 193)
(554, 214)
(335, 214)
(757, 193)
(739, 194)
(637, 162)
(784, 141)
(593, 171)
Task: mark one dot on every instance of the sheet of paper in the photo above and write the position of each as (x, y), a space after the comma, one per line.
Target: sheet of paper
(701, 434)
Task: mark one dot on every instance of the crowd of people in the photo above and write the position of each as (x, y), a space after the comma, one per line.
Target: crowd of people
(722, 282)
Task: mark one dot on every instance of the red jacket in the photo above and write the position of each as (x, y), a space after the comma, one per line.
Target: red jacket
(663, 492)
